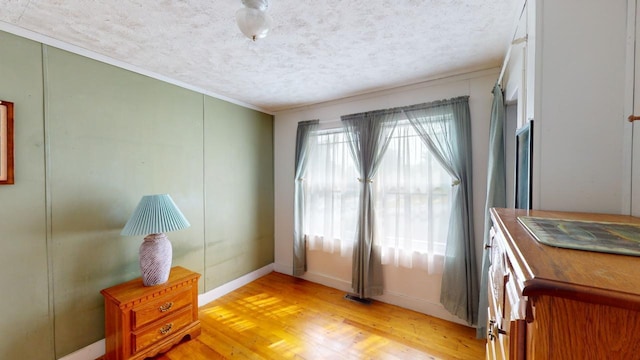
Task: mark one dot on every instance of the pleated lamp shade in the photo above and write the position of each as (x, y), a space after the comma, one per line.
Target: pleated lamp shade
(154, 216)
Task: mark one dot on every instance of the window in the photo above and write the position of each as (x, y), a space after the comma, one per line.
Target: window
(412, 194)
(331, 188)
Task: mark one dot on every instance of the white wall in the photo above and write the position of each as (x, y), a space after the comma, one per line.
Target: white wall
(414, 289)
(517, 82)
(571, 79)
(518, 87)
(510, 151)
(579, 105)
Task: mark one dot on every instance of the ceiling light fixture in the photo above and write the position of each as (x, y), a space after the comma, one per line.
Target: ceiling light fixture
(253, 20)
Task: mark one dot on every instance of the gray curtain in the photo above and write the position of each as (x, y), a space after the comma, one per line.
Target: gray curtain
(445, 127)
(496, 196)
(368, 135)
(303, 148)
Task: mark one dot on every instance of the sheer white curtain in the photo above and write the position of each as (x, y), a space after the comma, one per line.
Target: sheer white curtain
(412, 210)
(332, 190)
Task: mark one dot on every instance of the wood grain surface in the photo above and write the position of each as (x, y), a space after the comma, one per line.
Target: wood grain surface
(282, 317)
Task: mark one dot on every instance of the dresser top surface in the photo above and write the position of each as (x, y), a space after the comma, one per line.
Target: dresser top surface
(134, 289)
(578, 273)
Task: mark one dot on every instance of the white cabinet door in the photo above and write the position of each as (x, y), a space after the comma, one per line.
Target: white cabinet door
(633, 129)
(635, 177)
(581, 68)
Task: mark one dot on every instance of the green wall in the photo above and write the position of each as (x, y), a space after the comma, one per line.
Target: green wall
(26, 322)
(239, 221)
(91, 139)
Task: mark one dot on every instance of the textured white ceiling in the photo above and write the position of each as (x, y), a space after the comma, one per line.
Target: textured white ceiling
(317, 50)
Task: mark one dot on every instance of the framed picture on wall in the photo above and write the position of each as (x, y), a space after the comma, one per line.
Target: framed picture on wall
(6, 142)
(524, 150)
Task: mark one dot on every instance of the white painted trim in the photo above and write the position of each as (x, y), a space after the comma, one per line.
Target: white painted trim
(629, 109)
(93, 351)
(97, 349)
(425, 83)
(283, 268)
(404, 301)
(419, 305)
(330, 281)
(16, 30)
(222, 290)
(513, 42)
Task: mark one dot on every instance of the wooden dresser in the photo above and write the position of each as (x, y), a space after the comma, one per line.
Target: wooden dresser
(142, 321)
(552, 303)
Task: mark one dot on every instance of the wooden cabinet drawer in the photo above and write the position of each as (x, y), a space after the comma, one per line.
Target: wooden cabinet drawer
(162, 328)
(506, 325)
(142, 321)
(563, 303)
(163, 306)
(492, 350)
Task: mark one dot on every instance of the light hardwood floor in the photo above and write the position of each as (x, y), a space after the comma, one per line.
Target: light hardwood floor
(282, 317)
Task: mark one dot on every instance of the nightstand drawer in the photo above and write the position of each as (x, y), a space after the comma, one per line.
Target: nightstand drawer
(163, 306)
(161, 329)
(142, 321)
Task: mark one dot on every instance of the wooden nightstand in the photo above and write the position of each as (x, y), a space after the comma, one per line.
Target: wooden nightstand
(142, 321)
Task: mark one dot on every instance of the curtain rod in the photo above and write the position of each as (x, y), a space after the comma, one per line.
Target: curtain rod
(514, 41)
(508, 56)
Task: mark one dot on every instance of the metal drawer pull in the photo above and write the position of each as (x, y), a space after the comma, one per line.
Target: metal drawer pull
(165, 329)
(166, 307)
(493, 330)
(490, 334)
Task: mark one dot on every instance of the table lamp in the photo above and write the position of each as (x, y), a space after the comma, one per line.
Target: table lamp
(154, 216)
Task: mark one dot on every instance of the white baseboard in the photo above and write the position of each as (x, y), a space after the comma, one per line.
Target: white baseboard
(222, 290)
(419, 305)
(283, 269)
(97, 349)
(404, 301)
(330, 281)
(89, 352)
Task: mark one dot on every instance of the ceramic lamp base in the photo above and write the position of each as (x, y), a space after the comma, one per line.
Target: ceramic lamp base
(155, 259)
